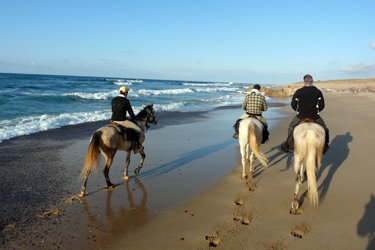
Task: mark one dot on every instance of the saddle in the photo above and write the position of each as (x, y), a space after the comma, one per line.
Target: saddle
(306, 120)
(128, 133)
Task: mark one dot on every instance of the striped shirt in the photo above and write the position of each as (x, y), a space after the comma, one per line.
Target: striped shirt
(254, 103)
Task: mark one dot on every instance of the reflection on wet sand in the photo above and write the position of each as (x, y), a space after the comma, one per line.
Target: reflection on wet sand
(107, 230)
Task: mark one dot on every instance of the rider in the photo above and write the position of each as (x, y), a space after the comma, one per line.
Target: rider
(121, 105)
(254, 104)
(308, 101)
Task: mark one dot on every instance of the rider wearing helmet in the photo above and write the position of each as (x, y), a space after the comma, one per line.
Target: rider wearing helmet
(121, 105)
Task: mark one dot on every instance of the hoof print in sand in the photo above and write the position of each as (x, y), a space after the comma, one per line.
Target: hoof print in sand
(213, 240)
(237, 218)
(246, 221)
(300, 230)
(296, 211)
(298, 233)
(251, 185)
(238, 201)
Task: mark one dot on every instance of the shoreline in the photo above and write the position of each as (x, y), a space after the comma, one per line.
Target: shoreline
(54, 177)
(65, 166)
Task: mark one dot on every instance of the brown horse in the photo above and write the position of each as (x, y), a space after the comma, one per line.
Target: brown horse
(107, 141)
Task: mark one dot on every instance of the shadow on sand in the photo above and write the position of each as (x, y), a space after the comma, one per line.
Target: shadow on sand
(184, 159)
(333, 160)
(366, 226)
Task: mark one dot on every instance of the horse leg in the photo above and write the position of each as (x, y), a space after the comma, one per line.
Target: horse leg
(244, 161)
(136, 171)
(126, 172)
(108, 162)
(298, 168)
(247, 152)
(83, 188)
(251, 170)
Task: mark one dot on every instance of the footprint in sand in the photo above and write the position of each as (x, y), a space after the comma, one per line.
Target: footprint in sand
(251, 185)
(246, 221)
(239, 201)
(213, 240)
(296, 211)
(301, 230)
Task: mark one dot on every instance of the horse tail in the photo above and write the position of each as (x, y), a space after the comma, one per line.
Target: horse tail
(92, 156)
(254, 145)
(312, 151)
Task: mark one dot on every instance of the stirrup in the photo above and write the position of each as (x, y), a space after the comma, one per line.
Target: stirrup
(285, 148)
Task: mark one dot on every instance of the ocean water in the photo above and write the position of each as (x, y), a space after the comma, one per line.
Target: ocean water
(33, 103)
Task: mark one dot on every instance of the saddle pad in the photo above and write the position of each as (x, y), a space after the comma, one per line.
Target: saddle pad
(119, 128)
(130, 134)
(306, 120)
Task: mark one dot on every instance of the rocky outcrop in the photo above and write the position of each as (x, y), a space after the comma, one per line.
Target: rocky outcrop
(291, 89)
(283, 92)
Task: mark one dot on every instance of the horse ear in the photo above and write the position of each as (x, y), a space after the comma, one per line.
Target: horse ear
(143, 106)
(152, 105)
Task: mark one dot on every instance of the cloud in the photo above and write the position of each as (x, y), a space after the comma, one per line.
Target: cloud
(32, 63)
(359, 68)
(333, 63)
(372, 45)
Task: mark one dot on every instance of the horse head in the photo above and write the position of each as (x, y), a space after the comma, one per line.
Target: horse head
(151, 118)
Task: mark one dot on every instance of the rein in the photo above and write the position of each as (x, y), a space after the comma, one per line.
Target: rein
(147, 125)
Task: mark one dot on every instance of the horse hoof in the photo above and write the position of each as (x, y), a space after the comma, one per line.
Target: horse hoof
(136, 171)
(82, 194)
(295, 205)
(244, 177)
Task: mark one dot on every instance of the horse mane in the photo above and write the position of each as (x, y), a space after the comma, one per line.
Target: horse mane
(142, 113)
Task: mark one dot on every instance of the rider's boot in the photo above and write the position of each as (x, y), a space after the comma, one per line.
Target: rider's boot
(137, 147)
(326, 147)
(236, 127)
(288, 145)
(265, 134)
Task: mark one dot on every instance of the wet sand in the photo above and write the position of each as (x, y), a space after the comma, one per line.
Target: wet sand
(180, 199)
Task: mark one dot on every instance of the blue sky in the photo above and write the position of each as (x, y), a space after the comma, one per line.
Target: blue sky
(269, 42)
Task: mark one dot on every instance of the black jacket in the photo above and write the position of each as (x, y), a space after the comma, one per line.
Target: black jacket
(121, 105)
(308, 102)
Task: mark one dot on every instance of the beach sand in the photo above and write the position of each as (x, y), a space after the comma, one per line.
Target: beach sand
(345, 218)
(165, 207)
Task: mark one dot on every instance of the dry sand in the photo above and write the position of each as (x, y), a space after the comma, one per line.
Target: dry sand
(345, 218)
(227, 214)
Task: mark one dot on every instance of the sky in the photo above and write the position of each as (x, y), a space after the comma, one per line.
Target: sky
(265, 42)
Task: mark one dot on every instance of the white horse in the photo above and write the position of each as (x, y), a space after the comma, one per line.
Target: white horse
(309, 139)
(250, 137)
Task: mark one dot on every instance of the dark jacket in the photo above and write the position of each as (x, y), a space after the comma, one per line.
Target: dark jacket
(308, 102)
(121, 105)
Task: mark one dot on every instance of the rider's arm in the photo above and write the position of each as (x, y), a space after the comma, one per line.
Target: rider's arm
(294, 102)
(129, 109)
(265, 107)
(244, 104)
(321, 103)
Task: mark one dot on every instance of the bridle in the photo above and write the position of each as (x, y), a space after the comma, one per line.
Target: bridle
(150, 115)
